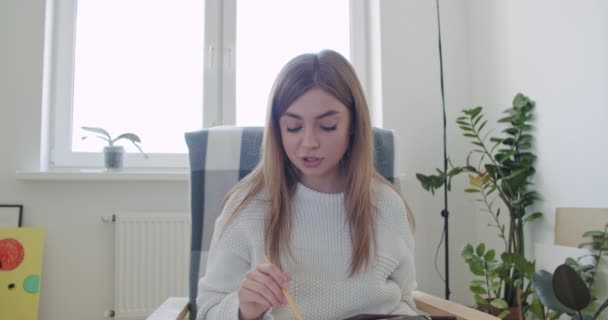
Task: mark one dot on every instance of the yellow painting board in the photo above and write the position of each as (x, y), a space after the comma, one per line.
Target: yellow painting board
(20, 272)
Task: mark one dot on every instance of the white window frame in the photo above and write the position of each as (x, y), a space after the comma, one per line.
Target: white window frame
(219, 82)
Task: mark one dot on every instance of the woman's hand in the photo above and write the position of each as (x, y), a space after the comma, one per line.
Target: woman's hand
(261, 290)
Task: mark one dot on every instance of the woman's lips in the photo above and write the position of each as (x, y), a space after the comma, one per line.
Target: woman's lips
(311, 162)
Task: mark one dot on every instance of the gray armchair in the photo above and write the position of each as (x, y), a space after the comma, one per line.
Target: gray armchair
(219, 158)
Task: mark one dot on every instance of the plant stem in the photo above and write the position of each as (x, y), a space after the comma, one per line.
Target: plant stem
(487, 153)
(521, 307)
(485, 264)
(495, 217)
(511, 243)
(599, 256)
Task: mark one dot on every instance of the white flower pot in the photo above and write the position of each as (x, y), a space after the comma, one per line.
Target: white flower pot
(113, 157)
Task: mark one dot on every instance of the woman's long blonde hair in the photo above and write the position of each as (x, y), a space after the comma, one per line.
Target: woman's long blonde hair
(331, 72)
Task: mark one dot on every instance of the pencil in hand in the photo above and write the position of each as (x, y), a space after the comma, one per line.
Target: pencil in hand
(290, 300)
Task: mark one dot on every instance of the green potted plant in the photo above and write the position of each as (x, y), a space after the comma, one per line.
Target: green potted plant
(499, 168)
(112, 153)
(569, 290)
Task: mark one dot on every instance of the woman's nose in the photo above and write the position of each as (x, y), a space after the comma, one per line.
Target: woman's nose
(310, 139)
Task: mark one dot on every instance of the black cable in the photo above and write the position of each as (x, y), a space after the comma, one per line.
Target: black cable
(436, 255)
(444, 213)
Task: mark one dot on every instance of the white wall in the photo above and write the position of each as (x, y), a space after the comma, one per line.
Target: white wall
(556, 53)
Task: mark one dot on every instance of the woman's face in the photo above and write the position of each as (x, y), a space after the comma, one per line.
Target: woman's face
(315, 132)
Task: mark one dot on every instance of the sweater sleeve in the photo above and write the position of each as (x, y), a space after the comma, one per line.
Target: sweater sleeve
(227, 262)
(405, 275)
(395, 215)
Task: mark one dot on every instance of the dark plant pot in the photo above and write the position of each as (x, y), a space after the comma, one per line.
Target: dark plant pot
(513, 311)
(113, 157)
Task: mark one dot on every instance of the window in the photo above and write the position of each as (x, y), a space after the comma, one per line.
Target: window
(161, 68)
(285, 36)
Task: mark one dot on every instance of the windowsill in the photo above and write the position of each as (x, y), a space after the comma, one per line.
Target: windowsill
(104, 175)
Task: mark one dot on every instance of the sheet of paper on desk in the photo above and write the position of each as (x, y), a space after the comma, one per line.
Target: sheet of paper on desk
(386, 316)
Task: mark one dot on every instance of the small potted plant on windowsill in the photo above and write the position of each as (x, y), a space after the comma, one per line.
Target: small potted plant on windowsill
(112, 153)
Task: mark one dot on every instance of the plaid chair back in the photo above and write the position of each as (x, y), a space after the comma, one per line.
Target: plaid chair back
(221, 156)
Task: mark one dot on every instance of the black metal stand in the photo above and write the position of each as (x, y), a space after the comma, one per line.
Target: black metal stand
(444, 213)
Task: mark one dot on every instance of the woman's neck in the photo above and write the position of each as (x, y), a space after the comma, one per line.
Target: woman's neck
(335, 184)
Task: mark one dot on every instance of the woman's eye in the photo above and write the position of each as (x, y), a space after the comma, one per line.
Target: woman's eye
(332, 128)
(295, 129)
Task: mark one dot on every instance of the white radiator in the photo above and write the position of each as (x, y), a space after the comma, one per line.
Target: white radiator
(152, 261)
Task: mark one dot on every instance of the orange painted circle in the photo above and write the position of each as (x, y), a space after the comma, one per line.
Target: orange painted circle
(11, 254)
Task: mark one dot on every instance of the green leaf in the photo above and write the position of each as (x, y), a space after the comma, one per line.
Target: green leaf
(100, 131)
(481, 249)
(537, 308)
(520, 100)
(594, 233)
(480, 300)
(542, 284)
(477, 282)
(476, 120)
(505, 119)
(483, 124)
(570, 289)
(134, 140)
(478, 290)
(421, 177)
(475, 111)
(515, 180)
(525, 127)
(489, 256)
(129, 136)
(508, 141)
(524, 145)
(586, 244)
(467, 251)
(526, 138)
(494, 286)
(493, 265)
(476, 267)
(471, 190)
(499, 303)
(466, 128)
(533, 217)
(503, 314)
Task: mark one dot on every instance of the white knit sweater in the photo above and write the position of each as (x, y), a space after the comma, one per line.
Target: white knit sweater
(321, 248)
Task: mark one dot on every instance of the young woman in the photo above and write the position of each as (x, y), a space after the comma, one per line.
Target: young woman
(338, 235)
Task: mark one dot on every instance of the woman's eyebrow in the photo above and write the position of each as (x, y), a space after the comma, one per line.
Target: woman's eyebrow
(323, 115)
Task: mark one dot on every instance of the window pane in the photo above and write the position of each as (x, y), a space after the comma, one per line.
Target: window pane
(270, 33)
(138, 68)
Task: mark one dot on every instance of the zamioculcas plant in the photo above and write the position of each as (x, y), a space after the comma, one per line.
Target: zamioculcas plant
(500, 168)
